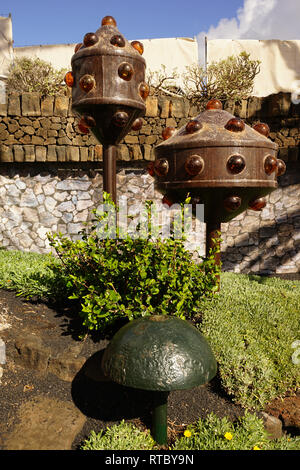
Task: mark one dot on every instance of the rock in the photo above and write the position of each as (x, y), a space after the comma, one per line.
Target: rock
(20, 184)
(151, 106)
(18, 153)
(12, 190)
(28, 199)
(179, 107)
(6, 154)
(74, 228)
(65, 366)
(73, 185)
(84, 204)
(25, 240)
(50, 203)
(31, 104)
(47, 219)
(29, 153)
(123, 152)
(49, 188)
(61, 105)
(14, 107)
(45, 424)
(72, 153)
(60, 196)
(47, 104)
(67, 206)
(31, 352)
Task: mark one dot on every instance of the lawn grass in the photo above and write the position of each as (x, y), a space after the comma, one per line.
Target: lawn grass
(26, 273)
(252, 326)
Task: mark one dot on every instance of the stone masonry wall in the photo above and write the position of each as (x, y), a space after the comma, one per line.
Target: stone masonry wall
(51, 177)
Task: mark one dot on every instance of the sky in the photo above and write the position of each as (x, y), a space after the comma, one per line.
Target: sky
(66, 22)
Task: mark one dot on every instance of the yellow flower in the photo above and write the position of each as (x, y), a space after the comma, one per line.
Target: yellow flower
(228, 436)
(187, 433)
(256, 448)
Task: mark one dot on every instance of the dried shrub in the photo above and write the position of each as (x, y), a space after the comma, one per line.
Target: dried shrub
(35, 75)
(230, 79)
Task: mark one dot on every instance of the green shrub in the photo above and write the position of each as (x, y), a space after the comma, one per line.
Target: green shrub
(131, 277)
(251, 326)
(34, 75)
(211, 433)
(248, 433)
(123, 436)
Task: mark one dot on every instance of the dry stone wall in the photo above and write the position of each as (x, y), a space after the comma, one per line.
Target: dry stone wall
(51, 178)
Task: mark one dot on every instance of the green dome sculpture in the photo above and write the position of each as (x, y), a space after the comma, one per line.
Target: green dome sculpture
(159, 353)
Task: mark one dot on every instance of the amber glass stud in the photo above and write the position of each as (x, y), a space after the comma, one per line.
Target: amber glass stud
(161, 167)
(69, 79)
(281, 167)
(87, 83)
(120, 118)
(82, 127)
(270, 164)
(117, 40)
(90, 39)
(77, 47)
(235, 125)
(125, 71)
(194, 164)
(168, 132)
(236, 164)
(214, 104)
(257, 204)
(193, 126)
(137, 124)
(232, 203)
(88, 121)
(150, 169)
(167, 200)
(262, 128)
(108, 21)
(144, 90)
(138, 46)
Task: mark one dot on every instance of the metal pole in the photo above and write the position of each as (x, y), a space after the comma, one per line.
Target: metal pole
(109, 171)
(159, 418)
(212, 227)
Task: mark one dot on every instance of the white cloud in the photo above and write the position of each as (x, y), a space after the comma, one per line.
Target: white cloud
(258, 19)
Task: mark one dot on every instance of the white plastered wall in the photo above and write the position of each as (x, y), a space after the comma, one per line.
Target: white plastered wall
(173, 53)
(6, 52)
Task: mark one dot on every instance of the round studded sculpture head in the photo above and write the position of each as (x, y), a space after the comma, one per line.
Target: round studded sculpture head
(220, 162)
(108, 82)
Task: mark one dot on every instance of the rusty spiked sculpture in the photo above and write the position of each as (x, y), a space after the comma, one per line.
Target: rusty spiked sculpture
(108, 91)
(220, 162)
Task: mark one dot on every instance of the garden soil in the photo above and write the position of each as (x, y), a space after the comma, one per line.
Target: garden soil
(53, 392)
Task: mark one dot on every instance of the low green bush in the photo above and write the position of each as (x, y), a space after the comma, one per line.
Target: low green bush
(247, 433)
(251, 326)
(125, 277)
(28, 274)
(123, 436)
(211, 433)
